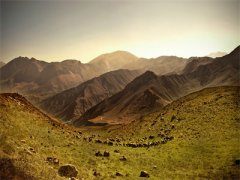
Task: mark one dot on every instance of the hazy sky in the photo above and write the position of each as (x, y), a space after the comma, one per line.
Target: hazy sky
(58, 30)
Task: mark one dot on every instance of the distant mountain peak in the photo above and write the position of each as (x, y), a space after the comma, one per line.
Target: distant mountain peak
(113, 61)
(149, 74)
(21, 57)
(24, 59)
(112, 55)
(118, 52)
(71, 61)
(216, 54)
(142, 79)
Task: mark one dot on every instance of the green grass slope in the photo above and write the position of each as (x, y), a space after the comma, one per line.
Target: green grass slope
(194, 137)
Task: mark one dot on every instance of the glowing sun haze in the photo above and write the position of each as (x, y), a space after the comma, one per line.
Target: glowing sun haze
(58, 30)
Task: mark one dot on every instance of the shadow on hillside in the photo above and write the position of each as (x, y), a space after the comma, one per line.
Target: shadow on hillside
(8, 171)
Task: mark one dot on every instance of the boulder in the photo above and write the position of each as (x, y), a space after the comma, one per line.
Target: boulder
(106, 154)
(98, 141)
(110, 143)
(52, 160)
(144, 174)
(116, 151)
(49, 159)
(95, 173)
(68, 170)
(151, 137)
(123, 158)
(98, 153)
(118, 174)
(118, 140)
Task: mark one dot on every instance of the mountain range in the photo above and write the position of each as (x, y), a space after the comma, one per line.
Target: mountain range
(72, 103)
(149, 91)
(39, 79)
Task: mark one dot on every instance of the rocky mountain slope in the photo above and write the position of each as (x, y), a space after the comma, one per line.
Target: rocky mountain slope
(194, 63)
(73, 102)
(149, 90)
(58, 76)
(191, 138)
(1, 64)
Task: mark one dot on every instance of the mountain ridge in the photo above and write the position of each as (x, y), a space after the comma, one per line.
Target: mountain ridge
(38, 79)
(71, 103)
(221, 71)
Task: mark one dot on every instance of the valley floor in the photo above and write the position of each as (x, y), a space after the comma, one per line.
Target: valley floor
(195, 137)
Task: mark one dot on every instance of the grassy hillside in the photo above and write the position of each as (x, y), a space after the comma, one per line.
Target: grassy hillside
(196, 136)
